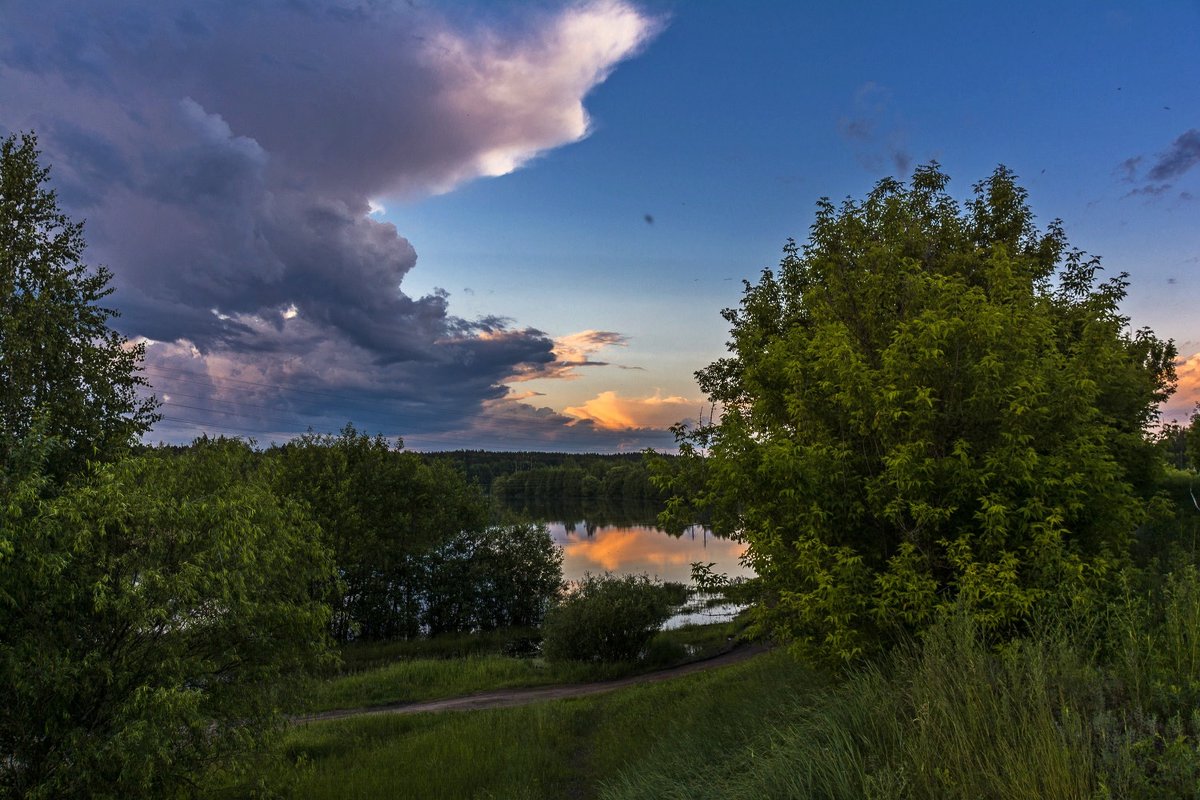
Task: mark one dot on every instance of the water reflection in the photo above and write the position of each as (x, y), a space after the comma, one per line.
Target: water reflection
(643, 548)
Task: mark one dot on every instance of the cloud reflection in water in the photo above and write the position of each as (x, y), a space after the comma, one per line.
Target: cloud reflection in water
(644, 548)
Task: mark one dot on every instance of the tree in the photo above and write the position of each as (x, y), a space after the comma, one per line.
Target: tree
(150, 616)
(927, 405)
(498, 576)
(61, 366)
(1192, 436)
(383, 512)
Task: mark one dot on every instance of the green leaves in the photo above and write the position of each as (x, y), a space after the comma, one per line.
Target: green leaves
(914, 400)
(149, 620)
(606, 618)
(61, 367)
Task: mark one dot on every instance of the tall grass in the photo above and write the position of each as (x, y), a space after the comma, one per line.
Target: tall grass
(952, 716)
(947, 718)
(1099, 705)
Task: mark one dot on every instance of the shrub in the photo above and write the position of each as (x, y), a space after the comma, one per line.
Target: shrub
(605, 618)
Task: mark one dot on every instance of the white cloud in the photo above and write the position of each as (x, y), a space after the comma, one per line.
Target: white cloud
(526, 97)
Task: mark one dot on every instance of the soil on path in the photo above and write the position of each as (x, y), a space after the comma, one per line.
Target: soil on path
(504, 698)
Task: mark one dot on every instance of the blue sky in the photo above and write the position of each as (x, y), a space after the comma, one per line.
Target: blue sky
(576, 189)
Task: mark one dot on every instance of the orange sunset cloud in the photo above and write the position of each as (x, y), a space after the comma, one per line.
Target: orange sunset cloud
(571, 352)
(1184, 401)
(612, 411)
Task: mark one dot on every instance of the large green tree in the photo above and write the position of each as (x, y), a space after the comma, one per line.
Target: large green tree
(61, 367)
(927, 404)
(150, 616)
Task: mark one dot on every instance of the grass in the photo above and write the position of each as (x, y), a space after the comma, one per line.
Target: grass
(403, 672)
(360, 656)
(545, 750)
(429, 679)
(1091, 707)
(949, 716)
(952, 717)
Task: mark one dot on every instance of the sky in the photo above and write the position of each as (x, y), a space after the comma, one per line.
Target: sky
(514, 225)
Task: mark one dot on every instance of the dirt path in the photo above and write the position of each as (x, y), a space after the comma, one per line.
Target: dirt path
(504, 698)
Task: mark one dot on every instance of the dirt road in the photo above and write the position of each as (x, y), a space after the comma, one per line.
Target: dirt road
(503, 698)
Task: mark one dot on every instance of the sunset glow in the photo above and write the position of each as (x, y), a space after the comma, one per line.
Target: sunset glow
(638, 549)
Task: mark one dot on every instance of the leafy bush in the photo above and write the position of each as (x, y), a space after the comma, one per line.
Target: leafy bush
(383, 513)
(606, 618)
(150, 616)
(925, 405)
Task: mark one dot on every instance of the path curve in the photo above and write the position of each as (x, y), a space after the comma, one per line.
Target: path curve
(505, 698)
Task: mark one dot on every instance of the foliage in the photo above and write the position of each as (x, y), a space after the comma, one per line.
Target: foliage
(412, 544)
(360, 656)
(611, 481)
(484, 467)
(491, 578)
(1193, 440)
(382, 511)
(1172, 441)
(149, 617)
(707, 581)
(606, 618)
(1192, 437)
(927, 405)
(61, 367)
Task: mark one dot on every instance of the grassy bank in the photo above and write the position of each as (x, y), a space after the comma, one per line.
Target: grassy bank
(402, 672)
(1099, 702)
(1105, 710)
(550, 750)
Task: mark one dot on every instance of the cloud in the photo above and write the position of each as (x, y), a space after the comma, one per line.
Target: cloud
(508, 424)
(229, 158)
(1128, 169)
(572, 352)
(1187, 395)
(611, 411)
(1181, 156)
(877, 134)
(1168, 166)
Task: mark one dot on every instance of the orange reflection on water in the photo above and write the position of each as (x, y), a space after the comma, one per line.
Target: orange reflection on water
(643, 548)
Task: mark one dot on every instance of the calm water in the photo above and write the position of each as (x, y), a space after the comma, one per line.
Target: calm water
(643, 548)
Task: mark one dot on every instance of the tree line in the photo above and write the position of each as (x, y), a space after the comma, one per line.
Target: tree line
(537, 478)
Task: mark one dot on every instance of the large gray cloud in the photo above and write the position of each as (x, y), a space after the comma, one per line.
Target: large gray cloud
(225, 156)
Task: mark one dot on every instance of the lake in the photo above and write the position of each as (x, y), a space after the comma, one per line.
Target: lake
(624, 549)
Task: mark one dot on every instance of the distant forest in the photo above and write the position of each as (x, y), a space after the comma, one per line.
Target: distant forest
(538, 479)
